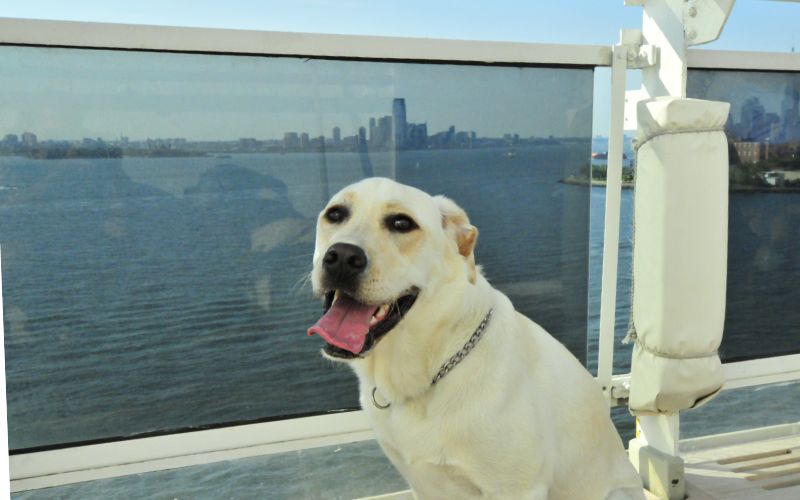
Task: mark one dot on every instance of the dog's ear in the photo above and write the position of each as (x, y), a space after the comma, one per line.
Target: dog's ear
(456, 225)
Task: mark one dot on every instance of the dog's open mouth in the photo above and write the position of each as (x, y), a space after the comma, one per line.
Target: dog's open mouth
(351, 328)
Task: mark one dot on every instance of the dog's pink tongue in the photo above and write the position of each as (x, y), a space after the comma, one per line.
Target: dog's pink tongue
(345, 325)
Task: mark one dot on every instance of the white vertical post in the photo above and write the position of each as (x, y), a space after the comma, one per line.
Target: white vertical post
(660, 432)
(671, 26)
(662, 26)
(608, 291)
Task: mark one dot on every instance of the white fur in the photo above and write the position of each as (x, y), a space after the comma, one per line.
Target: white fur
(519, 417)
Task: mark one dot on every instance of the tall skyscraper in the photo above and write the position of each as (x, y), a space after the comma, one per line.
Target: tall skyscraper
(337, 135)
(384, 131)
(790, 114)
(753, 120)
(399, 124)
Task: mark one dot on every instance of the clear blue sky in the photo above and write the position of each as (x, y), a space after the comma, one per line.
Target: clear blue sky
(757, 25)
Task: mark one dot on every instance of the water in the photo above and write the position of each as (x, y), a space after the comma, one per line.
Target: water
(150, 294)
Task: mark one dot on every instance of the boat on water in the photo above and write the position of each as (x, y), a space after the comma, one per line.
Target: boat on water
(604, 156)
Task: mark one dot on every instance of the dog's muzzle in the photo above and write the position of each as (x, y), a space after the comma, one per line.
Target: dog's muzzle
(350, 327)
(343, 264)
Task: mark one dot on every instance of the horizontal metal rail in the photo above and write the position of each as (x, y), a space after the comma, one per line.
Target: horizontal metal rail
(46, 469)
(228, 41)
(246, 42)
(99, 461)
(743, 61)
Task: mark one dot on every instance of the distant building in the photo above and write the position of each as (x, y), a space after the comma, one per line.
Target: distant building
(753, 120)
(11, 140)
(318, 144)
(417, 135)
(399, 123)
(362, 136)
(29, 139)
(291, 141)
(790, 113)
(337, 135)
(245, 143)
(350, 142)
(373, 128)
(304, 141)
(462, 139)
(751, 151)
(383, 131)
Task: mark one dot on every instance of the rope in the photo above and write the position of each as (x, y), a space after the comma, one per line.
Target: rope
(676, 132)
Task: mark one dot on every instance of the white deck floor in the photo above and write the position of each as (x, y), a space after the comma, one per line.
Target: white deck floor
(751, 465)
(765, 467)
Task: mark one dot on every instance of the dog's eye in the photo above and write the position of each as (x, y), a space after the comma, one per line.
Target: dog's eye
(400, 223)
(336, 214)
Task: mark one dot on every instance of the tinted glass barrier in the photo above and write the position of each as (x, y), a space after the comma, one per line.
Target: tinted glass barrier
(763, 129)
(157, 219)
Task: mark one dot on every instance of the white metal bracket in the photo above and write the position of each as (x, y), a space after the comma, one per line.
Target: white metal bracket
(647, 55)
(620, 389)
(640, 55)
(703, 20)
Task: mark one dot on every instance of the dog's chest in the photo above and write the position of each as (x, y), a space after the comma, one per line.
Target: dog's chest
(413, 434)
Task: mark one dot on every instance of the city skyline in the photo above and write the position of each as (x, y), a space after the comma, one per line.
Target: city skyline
(71, 94)
(384, 133)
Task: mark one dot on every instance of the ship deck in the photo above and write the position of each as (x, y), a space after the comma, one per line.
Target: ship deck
(746, 465)
(761, 464)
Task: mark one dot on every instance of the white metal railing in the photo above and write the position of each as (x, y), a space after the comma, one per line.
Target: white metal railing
(224, 41)
(51, 468)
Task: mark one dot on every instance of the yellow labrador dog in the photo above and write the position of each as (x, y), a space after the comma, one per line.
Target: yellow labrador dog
(468, 398)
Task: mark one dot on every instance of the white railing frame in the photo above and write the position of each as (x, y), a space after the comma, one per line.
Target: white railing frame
(611, 225)
(244, 42)
(69, 465)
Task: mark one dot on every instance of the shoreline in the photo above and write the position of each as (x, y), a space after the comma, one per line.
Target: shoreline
(594, 182)
(737, 188)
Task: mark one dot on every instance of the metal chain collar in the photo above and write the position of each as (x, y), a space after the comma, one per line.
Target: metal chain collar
(462, 353)
(452, 362)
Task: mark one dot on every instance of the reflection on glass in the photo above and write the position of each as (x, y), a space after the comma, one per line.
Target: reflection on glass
(341, 472)
(763, 129)
(742, 409)
(157, 218)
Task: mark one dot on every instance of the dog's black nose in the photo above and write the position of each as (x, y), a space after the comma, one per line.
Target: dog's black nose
(344, 261)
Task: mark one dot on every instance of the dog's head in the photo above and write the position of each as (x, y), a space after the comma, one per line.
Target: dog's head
(381, 248)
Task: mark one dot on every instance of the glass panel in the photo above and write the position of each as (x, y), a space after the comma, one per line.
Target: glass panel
(742, 409)
(157, 215)
(343, 472)
(762, 317)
